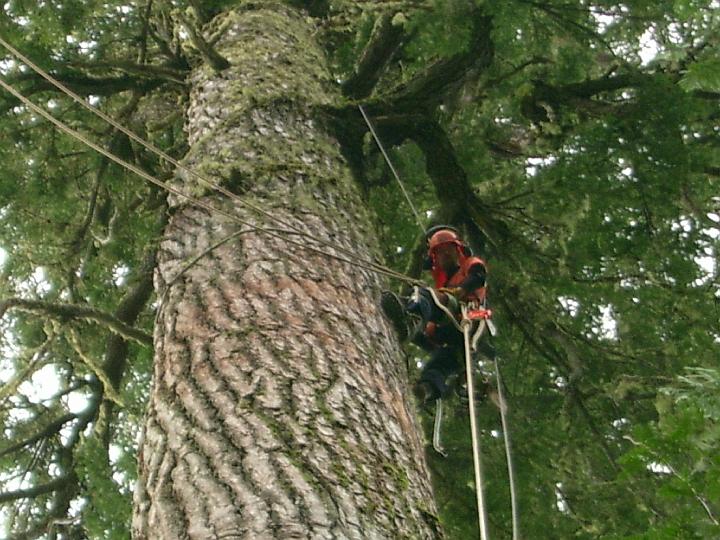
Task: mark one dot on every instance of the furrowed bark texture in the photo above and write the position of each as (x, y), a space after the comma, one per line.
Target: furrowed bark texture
(279, 406)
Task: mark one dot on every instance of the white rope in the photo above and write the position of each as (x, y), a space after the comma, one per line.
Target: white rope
(482, 512)
(392, 168)
(464, 327)
(508, 454)
(443, 308)
(470, 344)
(466, 323)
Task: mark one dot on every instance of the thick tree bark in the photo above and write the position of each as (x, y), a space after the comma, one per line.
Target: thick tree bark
(279, 407)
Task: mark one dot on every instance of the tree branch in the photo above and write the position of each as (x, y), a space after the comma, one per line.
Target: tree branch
(34, 361)
(384, 43)
(145, 71)
(116, 348)
(452, 186)
(89, 361)
(544, 100)
(428, 88)
(706, 94)
(74, 312)
(50, 429)
(208, 52)
(35, 491)
(86, 85)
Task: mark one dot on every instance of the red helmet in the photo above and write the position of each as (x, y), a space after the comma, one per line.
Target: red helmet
(439, 235)
(443, 236)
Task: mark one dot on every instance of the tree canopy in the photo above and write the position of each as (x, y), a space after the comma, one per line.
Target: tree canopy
(574, 143)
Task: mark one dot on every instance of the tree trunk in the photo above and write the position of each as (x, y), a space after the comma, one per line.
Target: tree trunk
(279, 407)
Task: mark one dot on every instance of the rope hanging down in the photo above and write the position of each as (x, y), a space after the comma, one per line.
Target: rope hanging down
(470, 346)
(371, 265)
(466, 324)
(508, 453)
(437, 445)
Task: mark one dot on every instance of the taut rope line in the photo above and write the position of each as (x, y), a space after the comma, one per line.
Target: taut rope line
(132, 135)
(150, 178)
(392, 168)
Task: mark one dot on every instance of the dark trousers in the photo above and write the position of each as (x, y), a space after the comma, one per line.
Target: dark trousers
(444, 361)
(445, 346)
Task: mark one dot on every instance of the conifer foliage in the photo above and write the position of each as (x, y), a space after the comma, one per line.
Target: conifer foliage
(574, 144)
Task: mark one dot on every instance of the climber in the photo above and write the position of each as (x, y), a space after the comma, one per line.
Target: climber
(459, 277)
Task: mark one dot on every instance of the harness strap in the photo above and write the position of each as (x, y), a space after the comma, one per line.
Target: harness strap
(469, 315)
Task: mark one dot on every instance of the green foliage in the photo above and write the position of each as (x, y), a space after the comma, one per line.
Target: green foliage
(595, 175)
(677, 455)
(703, 75)
(107, 509)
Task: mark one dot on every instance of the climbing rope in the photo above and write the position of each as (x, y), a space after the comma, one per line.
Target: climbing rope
(371, 265)
(470, 346)
(392, 168)
(466, 325)
(442, 307)
(508, 453)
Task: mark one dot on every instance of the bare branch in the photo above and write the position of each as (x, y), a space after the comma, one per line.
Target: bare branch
(49, 430)
(38, 490)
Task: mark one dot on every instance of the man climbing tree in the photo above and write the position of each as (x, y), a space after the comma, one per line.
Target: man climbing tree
(459, 277)
(204, 357)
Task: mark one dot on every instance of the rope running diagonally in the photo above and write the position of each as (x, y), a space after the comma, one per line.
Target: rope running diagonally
(78, 99)
(368, 265)
(150, 178)
(392, 168)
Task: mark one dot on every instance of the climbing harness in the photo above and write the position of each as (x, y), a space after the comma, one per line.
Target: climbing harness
(474, 321)
(470, 313)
